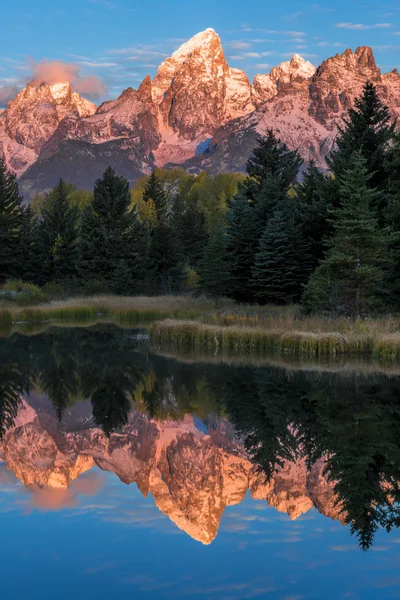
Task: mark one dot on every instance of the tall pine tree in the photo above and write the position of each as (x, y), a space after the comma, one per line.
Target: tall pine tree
(367, 129)
(154, 192)
(111, 239)
(214, 275)
(59, 235)
(281, 264)
(347, 280)
(11, 224)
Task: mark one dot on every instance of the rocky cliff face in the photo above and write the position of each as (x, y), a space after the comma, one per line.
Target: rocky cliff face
(194, 97)
(305, 112)
(33, 117)
(193, 476)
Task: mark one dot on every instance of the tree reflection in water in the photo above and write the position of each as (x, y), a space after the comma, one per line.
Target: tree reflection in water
(351, 420)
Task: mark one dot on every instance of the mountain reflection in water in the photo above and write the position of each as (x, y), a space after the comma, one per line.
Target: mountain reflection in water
(199, 436)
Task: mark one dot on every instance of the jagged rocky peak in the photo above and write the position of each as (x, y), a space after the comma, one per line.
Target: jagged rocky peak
(33, 117)
(286, 74)
(204, 46)
(292, 69)
(197, 91)
(339, 80)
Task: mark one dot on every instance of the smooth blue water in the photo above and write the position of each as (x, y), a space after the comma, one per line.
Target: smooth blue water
(98, 536)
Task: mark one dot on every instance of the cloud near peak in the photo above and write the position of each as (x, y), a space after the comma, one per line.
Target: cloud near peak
(57, 71)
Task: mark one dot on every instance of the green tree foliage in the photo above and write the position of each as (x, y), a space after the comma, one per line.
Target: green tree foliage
(111, 240)
(11, 224)
(272, 169)
(314, 204)
(273, 159)
(346, 281)
(154, 192)
(31, 248)
(58, 233)
(190, 227)
(281, 263)
(214, 272)
(367, 129)
(165, 260)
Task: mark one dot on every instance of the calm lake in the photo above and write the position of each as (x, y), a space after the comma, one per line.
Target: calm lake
(125, 473)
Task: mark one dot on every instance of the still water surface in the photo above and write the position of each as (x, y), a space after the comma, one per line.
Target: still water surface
(126, 474)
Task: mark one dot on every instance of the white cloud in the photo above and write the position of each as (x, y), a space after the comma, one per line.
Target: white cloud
(238, 45)
(361, 27)
(293, 16)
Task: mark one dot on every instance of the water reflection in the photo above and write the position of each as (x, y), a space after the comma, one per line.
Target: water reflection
(198, 436)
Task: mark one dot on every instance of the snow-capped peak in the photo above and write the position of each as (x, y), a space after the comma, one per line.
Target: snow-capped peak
(200, 40)
(59, 90)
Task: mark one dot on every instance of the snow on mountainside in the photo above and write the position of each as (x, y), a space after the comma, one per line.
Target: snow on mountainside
(33, 117)
(195, 102)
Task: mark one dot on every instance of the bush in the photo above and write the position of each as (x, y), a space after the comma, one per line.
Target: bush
(27, 294)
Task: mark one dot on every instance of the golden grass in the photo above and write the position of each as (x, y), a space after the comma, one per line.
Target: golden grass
(122, 310)
(233, 340)
(205, 326)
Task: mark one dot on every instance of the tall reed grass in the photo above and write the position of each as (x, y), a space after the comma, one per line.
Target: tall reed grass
(214, 339)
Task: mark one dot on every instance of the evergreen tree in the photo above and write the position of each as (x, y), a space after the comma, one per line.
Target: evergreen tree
(190, 227)
(391, 285)
(243, 237)
(346, 281)
(314, 204)
(368, 130)
(165, 259)
(32, 248)
(11, 223)
(155, 192)
(271, 170)
(273, 158)
(112, 240)
(214, 274)
(281, 264)
(59, 235)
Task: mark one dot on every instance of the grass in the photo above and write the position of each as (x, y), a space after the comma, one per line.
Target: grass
(233, 340)
(189, 324)
(124, 311)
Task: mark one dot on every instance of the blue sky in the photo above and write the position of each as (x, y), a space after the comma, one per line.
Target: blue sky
(103, 540)
(119, 41)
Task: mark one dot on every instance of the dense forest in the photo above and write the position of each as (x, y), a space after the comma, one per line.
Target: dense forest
(284, 233)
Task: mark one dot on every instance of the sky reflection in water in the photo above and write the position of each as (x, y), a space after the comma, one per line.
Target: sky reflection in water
(75, 529)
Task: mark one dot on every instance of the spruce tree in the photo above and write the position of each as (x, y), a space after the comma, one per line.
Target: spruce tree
(242, 240)
(273, 158)
(271, 170)
(281, 263)
(155, 192)
(391, 287)
(165, 260)
(314, 204)
(11, 223)
(367, 129)
(190, 227)
(32, 248)
(59, 235)
(214, 273)
(347, 280)
(111, 238)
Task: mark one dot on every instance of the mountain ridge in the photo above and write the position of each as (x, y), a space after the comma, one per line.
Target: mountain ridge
(197, 112)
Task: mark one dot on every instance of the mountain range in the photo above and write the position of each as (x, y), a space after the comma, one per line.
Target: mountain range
(197, 112)
(192, 470)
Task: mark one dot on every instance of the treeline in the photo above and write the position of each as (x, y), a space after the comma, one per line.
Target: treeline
(148, 240)
(330, 242)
